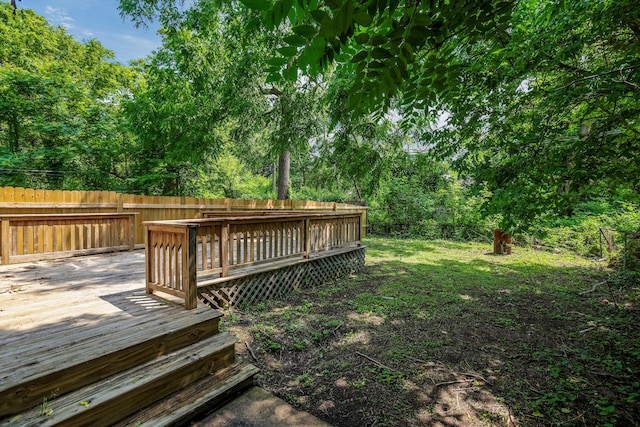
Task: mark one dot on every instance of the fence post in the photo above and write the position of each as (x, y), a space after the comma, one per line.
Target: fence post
(120, 206)
(5, 234)
(189, 267)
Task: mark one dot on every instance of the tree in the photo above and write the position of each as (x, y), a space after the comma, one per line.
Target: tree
(538, 96)
(58, 105)
(207, 87)
(553, 119)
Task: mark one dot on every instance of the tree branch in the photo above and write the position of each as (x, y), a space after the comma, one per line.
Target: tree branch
(595, 76)
(272, 91)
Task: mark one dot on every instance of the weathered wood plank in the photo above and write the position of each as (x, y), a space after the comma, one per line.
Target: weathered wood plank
(137, 387)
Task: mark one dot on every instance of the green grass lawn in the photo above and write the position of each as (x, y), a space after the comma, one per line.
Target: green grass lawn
(446, 332)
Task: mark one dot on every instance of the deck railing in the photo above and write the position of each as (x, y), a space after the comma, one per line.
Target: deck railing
(32, 237)
(179, 254)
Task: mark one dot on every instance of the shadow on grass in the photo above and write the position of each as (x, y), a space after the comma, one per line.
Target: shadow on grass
(440, 334)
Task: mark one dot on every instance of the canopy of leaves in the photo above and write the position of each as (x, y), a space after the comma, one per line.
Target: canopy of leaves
(58, 105)
(551, 119)
(400, 49)
(207, 89)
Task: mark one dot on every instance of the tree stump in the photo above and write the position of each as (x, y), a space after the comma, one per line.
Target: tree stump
(501, 242)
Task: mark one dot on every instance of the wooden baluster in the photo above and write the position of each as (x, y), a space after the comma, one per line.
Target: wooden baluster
(224, 249)
(202, 245)
(252, 244)
(19, 239)
(307, 238)
(263, 237)
(172, 252)
(239, 238)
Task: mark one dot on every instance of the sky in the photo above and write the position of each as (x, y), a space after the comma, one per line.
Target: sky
(99, 19)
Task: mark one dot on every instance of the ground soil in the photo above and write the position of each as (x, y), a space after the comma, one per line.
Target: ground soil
(398, 345)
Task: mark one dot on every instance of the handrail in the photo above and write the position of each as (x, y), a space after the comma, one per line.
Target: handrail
(180, 252)
(30, 237)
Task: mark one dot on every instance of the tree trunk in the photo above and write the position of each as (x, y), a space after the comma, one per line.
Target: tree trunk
(274, 178)
(284, 165)
(502, 242)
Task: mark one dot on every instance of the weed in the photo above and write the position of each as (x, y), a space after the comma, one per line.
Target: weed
(387, 376)
(45, 408)
(300, 344)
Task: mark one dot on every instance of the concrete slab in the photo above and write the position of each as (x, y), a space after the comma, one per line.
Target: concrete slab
(257, 408)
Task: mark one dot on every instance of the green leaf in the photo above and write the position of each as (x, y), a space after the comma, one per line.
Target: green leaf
(320, 15)
(359, 56)
(273, 78)
(287, 51)
(256, 4)
(363, 18)
(307, 31)
(295, 40)
(290, 73)
(278, 62)
(380, 53)
(362, 38)
(378, 40)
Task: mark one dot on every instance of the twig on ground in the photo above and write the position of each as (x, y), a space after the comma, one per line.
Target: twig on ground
(246, 344)
(418, 360)
(595, 285)
(373, 360)
(533, 389)
(572, 419)
(476, 376)
(454, 382)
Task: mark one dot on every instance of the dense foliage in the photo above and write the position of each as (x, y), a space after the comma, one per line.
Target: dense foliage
(59, 107)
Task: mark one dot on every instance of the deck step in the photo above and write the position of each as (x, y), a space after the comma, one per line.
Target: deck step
(121, 395)
(49, 368)
(197, 399)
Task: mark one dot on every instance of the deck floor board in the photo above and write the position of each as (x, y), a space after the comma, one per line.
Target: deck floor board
(47, 307)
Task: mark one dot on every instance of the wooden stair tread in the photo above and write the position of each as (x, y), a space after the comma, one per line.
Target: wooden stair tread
(116, 397)
(196, 399)
(32, 376)
(54, 337)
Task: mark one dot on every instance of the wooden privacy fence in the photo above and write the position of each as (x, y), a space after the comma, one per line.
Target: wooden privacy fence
(38, 236)
(16, 200)
(182, 255)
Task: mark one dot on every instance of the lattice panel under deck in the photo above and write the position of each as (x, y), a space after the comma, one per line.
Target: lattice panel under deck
(272, 284)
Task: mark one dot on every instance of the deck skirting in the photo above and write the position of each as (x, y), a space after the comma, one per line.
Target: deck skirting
(264, 284)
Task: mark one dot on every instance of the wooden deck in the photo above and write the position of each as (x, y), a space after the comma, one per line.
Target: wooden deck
(67, 324)
(80, 294)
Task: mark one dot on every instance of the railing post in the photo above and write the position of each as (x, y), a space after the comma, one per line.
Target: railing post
(224, 249)
(6, 240)
(189, 267)
(307, 238)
